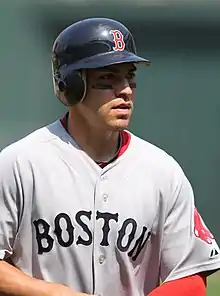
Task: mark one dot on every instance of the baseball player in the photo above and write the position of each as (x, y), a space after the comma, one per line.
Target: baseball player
(87, 207)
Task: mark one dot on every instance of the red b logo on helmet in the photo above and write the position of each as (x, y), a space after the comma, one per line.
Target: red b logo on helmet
(118, 39)
(200, 230)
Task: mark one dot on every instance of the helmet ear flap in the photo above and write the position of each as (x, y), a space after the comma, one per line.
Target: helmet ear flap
(73, 84)
(61, 85)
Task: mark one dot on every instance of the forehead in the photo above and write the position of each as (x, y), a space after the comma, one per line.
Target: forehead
(117, 68)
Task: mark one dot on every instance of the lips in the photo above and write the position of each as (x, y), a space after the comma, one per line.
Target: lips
(122, 106)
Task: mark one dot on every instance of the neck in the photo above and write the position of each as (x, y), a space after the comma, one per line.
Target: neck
(99, 144)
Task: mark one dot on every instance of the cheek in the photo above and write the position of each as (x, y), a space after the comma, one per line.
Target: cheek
(97, 100)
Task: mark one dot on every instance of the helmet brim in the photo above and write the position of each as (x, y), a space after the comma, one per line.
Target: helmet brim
(107, 59)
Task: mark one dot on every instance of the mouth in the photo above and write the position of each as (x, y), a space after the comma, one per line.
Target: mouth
(122, 107)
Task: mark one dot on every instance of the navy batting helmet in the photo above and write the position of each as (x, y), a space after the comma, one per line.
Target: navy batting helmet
(87, 44)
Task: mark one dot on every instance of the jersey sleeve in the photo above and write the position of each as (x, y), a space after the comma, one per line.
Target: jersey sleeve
(10, 202)
(188, 247)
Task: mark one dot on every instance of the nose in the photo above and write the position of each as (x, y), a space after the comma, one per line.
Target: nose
(124, 89)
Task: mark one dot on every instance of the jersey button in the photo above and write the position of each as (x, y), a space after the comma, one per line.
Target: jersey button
(101, 259)
(105, 197)
(104, 178)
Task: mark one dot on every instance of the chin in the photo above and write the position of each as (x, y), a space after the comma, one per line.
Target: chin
(119, 125)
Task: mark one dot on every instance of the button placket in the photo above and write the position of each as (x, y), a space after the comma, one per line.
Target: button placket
(101, 204)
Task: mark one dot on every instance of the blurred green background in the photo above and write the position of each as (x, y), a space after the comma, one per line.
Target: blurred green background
(178, 98)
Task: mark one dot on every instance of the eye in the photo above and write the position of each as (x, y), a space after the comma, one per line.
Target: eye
(107, 76)
(131, 75)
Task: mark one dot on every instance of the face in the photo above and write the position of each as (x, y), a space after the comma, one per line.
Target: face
(110, 94)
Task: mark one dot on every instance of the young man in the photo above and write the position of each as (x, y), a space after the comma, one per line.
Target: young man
(88, 207)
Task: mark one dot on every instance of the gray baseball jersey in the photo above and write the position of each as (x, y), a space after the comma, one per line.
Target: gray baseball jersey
(108, 231)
